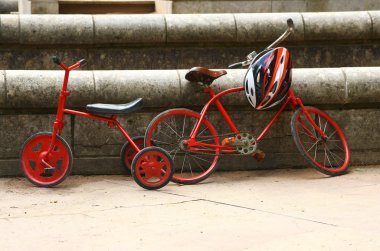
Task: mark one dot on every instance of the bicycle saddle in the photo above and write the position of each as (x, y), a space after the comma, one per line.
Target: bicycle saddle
(203, 75)
(115, 109)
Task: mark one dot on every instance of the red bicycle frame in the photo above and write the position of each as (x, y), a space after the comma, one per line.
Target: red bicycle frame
(291, 99)
(58, 124)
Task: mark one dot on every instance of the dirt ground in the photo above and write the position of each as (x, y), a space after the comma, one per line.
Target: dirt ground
(295, 209)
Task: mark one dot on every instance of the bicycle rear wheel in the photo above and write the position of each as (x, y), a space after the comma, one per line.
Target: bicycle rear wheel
(168, 130)
(330, 156)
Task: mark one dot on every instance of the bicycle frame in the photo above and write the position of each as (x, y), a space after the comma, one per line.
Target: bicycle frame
(291, 99)
(61, 110)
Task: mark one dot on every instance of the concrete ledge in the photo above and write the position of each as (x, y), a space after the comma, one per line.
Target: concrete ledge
(185, 28)
(201, 28)
(169, 88)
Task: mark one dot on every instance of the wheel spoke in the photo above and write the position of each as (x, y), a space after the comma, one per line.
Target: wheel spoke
(196, 162)
(183, 163)
(178, 136)
(312, 146)
(328, 159)
(195, 156)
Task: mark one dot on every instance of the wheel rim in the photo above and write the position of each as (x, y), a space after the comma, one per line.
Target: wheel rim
(130, 152)
(153, 168)
(169, 131)
(332, 153)
(33, 153)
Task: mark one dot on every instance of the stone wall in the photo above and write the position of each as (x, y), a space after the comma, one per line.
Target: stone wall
(8, 6)
(28, 101)
(267, 6)
(118, 42)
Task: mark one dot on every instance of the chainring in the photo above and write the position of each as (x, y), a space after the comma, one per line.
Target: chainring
(245, 143)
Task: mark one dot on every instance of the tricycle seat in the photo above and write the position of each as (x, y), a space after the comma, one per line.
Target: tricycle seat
(115, 109)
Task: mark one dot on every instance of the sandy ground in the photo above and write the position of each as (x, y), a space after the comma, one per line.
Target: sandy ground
(297, 209)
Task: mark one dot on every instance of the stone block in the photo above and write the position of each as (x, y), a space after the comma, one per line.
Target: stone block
(375, 16)
(188, 28)
(94, 138)
(288, 6)
(359, 126)
(129, 29)
(99, 166)
(10, 167)
(320, 86)
(362, 84)
(341, 5)
(340, 56)
(222, 6)
(42, 29)
(3, 94)
(8, 6)
(9, 29)
(366, 157)
(267, 26)
(27, 58)
(44, 7)
(337, 25)
(157, 88)
(16, 129)
(40, 89)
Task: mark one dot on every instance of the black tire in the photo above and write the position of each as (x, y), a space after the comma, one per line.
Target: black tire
(137, 173)
(70, 160)
(318, 158)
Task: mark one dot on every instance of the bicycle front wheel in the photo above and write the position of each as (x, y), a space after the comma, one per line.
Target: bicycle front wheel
(169, 129)
(331, 155)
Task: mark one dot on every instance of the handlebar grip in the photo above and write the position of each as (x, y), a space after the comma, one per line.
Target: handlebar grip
(235, 65)
(290, 23)
(56, 60)
(82, 62)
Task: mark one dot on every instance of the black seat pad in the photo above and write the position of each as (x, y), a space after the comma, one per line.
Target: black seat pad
(115, 109)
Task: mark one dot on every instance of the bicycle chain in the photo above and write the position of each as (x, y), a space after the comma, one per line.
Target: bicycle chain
(221, 154)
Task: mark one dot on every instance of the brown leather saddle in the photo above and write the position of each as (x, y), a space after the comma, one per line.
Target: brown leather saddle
(203, 75)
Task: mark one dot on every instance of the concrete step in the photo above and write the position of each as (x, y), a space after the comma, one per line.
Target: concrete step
(182, 41)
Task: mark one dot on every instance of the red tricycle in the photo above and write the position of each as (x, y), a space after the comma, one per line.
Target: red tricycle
(195, 146)
(47, 158)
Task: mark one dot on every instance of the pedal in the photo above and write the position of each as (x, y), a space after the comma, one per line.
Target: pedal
(258, 155)
(228, 141)
(48, 172)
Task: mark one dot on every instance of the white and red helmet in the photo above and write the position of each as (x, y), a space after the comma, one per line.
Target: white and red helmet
(268, 79)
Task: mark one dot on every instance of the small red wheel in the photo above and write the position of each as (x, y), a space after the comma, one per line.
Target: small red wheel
(152, 168)
(35, 150)
(128, 152)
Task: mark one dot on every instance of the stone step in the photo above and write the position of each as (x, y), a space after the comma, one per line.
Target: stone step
(28, 102)
(182, 41)
(333, 87)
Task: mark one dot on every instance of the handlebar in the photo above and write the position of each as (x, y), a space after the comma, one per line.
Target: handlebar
(58, 61)
(251, 56)
(235, 65)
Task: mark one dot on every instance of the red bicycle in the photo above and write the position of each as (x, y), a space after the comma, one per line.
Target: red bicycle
(47, 158)
(195, 146)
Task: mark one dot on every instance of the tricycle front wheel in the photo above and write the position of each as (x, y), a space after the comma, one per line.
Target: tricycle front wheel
(35, 151)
